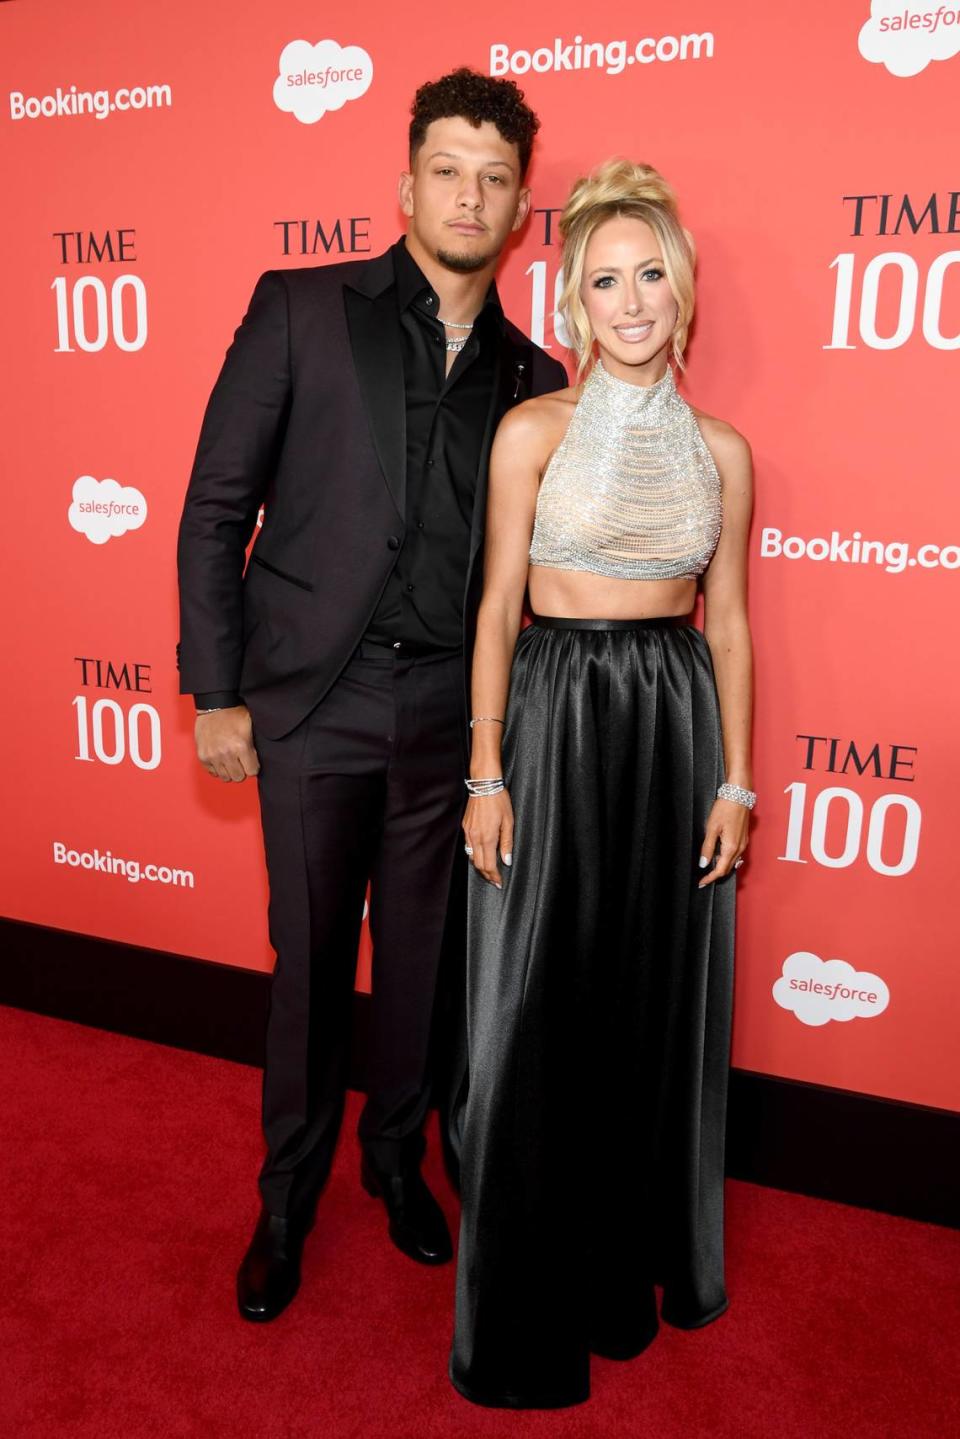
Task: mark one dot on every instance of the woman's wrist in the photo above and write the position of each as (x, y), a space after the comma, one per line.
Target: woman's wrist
(488, 767)
(737, 794)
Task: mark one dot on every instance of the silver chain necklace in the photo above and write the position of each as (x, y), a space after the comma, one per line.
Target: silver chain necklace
(455, 345)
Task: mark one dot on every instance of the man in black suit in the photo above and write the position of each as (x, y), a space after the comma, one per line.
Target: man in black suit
(358, 404)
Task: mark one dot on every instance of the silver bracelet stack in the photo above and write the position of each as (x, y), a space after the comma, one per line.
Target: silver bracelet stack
(738, 794)
(481, 788)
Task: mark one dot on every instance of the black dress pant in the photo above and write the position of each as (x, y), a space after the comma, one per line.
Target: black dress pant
(369, 785)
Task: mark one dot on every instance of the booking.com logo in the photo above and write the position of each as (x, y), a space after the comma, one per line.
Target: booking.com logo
(893, 555)
(101, 103)
(132, 870)
(610, 56)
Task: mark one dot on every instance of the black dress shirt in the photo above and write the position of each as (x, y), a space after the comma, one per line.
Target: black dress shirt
(446, 417)
(422, 603)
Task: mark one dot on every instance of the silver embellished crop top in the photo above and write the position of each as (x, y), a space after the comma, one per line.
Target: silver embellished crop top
(631, 491)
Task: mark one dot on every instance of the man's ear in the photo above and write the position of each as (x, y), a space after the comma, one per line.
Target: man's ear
(405, 193)
(523, 209)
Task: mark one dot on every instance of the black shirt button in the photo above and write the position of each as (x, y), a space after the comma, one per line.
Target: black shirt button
(430, 464)
(419, 524)
(393, 543)
(409, 587)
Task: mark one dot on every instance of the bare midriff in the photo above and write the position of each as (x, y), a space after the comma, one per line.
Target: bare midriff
(578, 595)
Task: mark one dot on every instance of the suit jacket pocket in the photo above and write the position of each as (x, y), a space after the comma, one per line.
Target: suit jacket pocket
(256, 559)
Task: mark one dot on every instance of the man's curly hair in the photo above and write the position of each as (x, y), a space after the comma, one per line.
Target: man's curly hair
(468, 94)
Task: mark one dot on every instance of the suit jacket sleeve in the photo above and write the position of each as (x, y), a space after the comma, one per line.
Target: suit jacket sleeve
(239, 441)
(548, 374)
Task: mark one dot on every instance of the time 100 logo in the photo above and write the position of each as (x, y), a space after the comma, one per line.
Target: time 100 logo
(858, 828)
(91, 311)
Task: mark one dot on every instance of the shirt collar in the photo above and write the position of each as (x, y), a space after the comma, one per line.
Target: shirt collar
(413, 286)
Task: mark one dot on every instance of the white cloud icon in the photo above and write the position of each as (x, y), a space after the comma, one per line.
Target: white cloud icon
(906, 40)
(316, 78)
(819, 990)
(102, 509)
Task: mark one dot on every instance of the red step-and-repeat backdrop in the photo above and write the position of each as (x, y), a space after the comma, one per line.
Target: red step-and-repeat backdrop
(156, 161)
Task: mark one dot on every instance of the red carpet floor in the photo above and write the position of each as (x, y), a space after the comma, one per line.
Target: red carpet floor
(130, 1195)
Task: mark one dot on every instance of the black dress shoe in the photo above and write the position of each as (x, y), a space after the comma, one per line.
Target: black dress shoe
(269, 1276)
(417, 1226)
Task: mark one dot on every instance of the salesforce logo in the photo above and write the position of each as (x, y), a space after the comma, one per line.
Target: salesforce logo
(905, 38)
(102, 509)
(316, 78)
(819, 990)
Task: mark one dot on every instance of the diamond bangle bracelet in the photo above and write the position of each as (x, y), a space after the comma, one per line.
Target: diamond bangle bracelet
(738, 794)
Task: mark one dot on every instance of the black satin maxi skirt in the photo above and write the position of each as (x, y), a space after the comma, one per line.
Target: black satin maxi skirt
(599, 994)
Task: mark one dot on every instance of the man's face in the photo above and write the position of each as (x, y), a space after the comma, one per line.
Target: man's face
(463, 196)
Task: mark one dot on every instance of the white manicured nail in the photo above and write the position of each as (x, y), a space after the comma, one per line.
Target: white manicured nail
(703, 861)
(508, 859)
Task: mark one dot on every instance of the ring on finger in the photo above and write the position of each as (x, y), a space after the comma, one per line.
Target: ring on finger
(738, 862)
(467, 849)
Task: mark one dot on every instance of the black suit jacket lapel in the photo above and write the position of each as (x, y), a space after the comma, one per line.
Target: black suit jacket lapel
(371, 310)
(511, 385)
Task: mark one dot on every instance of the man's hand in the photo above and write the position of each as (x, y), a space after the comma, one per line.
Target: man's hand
(225, 743)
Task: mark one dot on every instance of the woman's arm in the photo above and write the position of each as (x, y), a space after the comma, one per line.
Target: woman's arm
(727, 632)
(516, 463)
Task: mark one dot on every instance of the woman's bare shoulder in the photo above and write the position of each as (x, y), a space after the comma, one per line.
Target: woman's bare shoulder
(724, 441)
(542, 411)
(539, 423)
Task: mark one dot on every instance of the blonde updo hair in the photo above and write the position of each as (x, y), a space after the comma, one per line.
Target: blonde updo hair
(639, 192)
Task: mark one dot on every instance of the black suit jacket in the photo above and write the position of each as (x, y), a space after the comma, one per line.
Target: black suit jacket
(308, 418)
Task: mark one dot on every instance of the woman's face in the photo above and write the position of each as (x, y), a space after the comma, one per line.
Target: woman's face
(629, 303)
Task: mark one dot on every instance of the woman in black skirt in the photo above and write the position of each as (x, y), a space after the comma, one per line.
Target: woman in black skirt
(610, 794)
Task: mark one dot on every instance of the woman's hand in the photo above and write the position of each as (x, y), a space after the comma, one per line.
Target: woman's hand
(728, 826)
(487, 826)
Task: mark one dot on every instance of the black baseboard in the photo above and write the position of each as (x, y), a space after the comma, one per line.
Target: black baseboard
(829, 1143)
(216, 1009)
(838, 1144)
